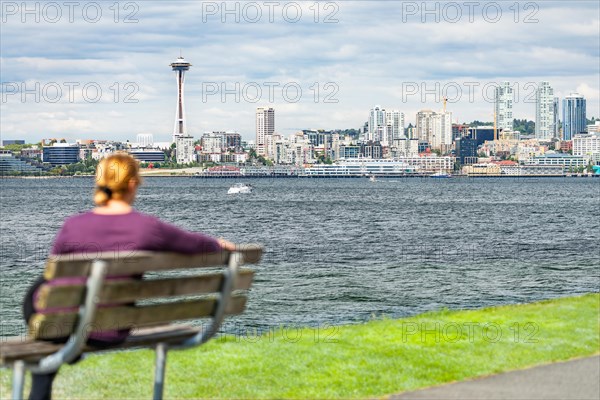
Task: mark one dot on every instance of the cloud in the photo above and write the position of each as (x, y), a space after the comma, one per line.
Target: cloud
(369, 55)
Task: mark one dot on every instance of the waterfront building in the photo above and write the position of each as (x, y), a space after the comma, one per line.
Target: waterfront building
(574, 120)
(145, 139)
(503, 103)
(61, 154)
(180, 66)
(570, 163)
(510, 168)
(481, 169)
(588, 146)
(11, 165)
(537, 170)
(360, 167)
(185, 150)
(147, 155)
(545, 108)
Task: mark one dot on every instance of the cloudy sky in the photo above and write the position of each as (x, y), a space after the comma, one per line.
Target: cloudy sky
(100, 70)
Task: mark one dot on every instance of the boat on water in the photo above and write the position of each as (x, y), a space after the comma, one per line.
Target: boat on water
(440, 174)
(240, 188)
(372, 178)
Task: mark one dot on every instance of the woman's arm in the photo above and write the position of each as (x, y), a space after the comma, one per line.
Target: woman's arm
(173, 238)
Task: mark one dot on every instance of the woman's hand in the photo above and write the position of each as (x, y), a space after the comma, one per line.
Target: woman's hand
(225, 245)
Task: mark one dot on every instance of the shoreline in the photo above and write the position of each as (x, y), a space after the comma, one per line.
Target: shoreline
(267, 176)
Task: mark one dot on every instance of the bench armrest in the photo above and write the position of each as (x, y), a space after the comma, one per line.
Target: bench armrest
(86, 313)
(236, 259)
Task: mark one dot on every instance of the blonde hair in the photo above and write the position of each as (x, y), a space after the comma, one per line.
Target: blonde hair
(113, 176)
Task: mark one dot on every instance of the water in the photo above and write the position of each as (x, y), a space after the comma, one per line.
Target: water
(345, 250)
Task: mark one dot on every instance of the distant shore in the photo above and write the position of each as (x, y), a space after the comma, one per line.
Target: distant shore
(198, 172)
(179, 174)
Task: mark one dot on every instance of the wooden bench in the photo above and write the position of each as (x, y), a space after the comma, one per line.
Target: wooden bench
(164, 298)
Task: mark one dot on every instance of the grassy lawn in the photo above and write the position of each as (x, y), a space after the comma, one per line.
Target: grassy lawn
(380, 357)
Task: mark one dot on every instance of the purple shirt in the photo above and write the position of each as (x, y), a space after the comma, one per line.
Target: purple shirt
(91, 233)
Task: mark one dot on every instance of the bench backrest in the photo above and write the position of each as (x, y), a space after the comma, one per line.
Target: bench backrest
(61, 303)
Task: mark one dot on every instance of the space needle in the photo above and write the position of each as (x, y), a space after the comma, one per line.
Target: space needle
(180, 66)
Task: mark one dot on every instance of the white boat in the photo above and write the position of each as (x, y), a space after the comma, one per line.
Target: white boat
(240, 188)
(372, 178)
(440, 174)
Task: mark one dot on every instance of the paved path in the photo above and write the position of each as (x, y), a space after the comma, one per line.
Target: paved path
(578, 379)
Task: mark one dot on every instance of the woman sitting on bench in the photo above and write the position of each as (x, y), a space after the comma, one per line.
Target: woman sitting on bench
(115, 226)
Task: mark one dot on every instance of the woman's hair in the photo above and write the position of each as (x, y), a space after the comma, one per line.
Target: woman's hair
(113, 175)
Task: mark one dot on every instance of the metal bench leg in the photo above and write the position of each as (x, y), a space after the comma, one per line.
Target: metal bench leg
(18, 380)
(159, 372)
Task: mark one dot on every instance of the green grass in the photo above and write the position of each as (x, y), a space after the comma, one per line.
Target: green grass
(373, 359)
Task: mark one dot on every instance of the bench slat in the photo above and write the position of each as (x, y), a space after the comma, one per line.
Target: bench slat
(49, 326)
(31, 350)
(132, 290)
(138, 262)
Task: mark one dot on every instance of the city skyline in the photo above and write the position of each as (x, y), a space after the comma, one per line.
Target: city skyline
(362, 74)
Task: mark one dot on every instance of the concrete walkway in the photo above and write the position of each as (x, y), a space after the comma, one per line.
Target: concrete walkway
(578, 379)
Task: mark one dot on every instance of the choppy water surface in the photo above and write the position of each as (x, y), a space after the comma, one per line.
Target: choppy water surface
(343, 250)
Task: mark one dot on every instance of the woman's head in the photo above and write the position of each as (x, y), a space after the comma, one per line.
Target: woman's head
(117, 177)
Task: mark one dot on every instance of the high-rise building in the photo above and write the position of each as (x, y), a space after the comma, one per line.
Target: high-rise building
(265, 127)
(574, 121)
(424, 125)
(384, 126)
(466, 150)
(376, 124)
(180, 66)
(394, 124)
(545, 109)
(441, 131)
(61, 154)
(556, 123)
(503, 106)
(184, 149)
